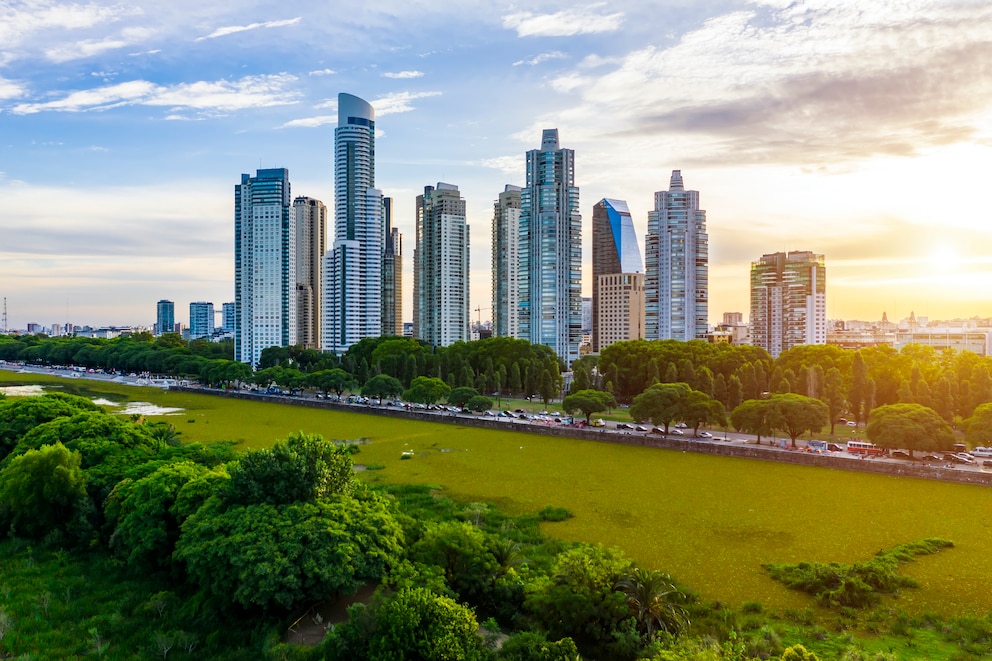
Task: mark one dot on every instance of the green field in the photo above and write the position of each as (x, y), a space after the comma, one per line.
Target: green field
(710, 521)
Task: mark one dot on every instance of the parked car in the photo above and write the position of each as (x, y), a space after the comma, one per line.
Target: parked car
(987, 462)
(624, 425)
(959, 457)
(852, 423)
(681, 425)
(641, 428)
(677, 432)
(657, 430)
(899, 454)
(705, 434)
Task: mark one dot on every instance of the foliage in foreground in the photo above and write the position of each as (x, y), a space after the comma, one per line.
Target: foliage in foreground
(858, 585)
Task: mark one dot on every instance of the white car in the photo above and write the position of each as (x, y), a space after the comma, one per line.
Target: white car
(677, 432)
(705, 434)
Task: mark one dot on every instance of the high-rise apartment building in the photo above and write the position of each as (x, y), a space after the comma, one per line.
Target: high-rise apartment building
(441, 267)
(677, 265)
(352, 274)
(310, 217)
(788, 301)
(392, 273)
(506, 240)
(620, 313)
(264, 265)
(227, 314)
(165, 317)
(550, 250)
(615, 251)
(201, 320)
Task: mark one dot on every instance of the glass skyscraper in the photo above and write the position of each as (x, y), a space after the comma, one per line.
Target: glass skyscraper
(201, 320)
(550, 251)
(353, 267)
(264, 265)
(677, 266)
(165, 317)
(614, 251)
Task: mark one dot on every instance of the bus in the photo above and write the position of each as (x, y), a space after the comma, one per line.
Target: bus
(862, 447)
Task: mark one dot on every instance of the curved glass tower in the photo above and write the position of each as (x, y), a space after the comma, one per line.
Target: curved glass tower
(614, 251)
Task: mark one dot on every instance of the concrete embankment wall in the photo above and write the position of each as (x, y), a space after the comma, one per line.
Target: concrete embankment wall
(749, 451)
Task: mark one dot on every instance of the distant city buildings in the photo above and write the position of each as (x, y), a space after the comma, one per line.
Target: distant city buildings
(441, 267)
(392, 273)
(265, 245)
(506, 262)
(228, 311)
(677, 265)
(353, 267)
(788, 301)
(550, 250)
(617, 302)
(310, 217)
(165, 316)
(201, 320)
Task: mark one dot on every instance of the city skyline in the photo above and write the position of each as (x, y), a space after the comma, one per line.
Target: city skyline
(816, 126)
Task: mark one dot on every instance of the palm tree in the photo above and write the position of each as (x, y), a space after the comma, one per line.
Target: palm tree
(507, 554)
(654, 602)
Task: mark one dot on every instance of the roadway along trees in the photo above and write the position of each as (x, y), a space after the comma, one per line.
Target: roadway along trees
(908, 427)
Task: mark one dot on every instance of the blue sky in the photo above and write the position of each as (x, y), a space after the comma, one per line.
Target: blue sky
(860, 130)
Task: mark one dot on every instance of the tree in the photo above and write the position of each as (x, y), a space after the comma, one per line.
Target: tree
(418, 624)
(460, 396)
(20, 415)
(796, 414)
(978, 428)
(41, 490)
(589, 402)
(382, 385)
(655, 602)
(908, 427)
(427, 390)
(699, 408)
(335, 379)
(833, 395)
(858, 396)
(662, 404)
(548, 387)
(752, 417)
(462, 551)
(479, 403)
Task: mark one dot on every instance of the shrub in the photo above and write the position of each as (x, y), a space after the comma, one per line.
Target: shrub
(552, 513)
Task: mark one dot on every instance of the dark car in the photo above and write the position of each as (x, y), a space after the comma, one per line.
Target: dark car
(624, 425)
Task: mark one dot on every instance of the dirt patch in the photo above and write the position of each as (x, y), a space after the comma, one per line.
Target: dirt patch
(311, 627)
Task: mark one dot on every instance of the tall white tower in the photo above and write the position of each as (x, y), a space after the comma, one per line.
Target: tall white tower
(352, 270)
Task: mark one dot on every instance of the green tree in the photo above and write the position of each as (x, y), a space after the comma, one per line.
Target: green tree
(858, 396)
(655, 603)
(796, 414)
(662, 404)
(20, 415)
(699, 408)
(753, 416)
(382, 385)
(589, 402)
(336, 380)
(417, 624)
(460, 396)
(463, 552)
(833, 395)
(548, 387)
(978, 428)
(908, 427)
(479, 403)
(41, 490)
(427, 390)
(798, 653)
(534, 646)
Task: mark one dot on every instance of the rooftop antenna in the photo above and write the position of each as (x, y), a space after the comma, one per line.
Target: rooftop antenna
(4, 322)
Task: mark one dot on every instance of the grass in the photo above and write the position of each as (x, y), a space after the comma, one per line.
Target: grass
(710, 521)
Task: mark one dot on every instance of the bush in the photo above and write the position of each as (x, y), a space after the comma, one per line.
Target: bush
(552, 513)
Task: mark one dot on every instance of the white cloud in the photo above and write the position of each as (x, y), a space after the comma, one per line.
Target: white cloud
(543, 57)
(232, 29)
(90, 47)
(20, 21)
(310, 122)
(506, 164)
(565, 23)
(221, 95)
(322, 72)
(331, 104)
(10, 89)
(403, 74)
(399, 102)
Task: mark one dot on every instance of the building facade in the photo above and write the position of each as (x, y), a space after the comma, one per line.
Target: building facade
(310, 216)
(614, 251)
(620, 313)
(392, 273)
(550, 251)
(352, 290)
(788, 301)
(441, 267)
(165, 316)
(201, 320)
(506, 240)
(677, 265)
(227, 314)
(264, 264)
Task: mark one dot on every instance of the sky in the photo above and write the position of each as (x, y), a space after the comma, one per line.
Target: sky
(861, 130)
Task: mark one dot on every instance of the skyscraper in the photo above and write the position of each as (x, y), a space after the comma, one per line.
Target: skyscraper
(264, 265)
(506, 230)
(550, 250)
(615, 251)
(353, 267)
(165, 317)
(788, 301)
(310, 216)
(677, 261)
(227, 316)
(441, 267)
(392, 273)
(201, 320)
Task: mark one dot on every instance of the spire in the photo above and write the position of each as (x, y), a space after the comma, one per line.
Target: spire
(549, 140)
(676, 183)
(885, 317)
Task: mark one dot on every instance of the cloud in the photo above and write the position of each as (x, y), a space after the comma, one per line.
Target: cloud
(322, 72)
(232, 29)
(399, 102)
(222, 95)
(90, 47)
(10, 89)
(403, 74)
(310, 122)
(543, 57)
(19, 23)
(513, 165)
(565, 23)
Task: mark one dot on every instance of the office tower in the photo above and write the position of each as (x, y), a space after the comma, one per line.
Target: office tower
(392, 273)
(788, 301)
(165, 318)
(506, 229)
(440, 267)
(550, 250)
(615, 251)
(264, 265)
(310, 217)
(352, 275)
(228, 311)
(677, 265)
(201, 320)
(620, 313)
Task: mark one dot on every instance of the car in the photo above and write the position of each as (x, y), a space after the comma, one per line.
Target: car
(640, 428)
(519, 411)
(982, 452)
(657, 430)
(959, 457)
(523, 416)
(987, 463)
(705, 434)
(677, 432)
(598, 422)
(930, 456)
(852, 423)
(681, 425)
(624, 425)
(900, 454)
